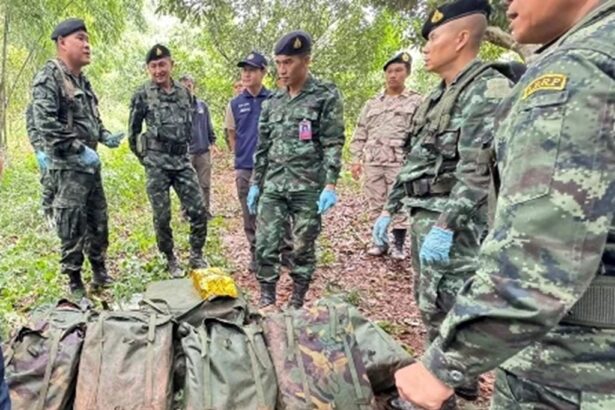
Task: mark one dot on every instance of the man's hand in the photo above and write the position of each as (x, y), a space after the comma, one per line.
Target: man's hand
(328, 198)
(417, 385)
(252, 200)
(355, 171)
(437, 246)
(113, 140)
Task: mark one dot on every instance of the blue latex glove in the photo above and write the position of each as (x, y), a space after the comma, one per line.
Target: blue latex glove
(41, 158)
(253, 194)
(328, 198)
(113, 140)
(89, 157)
(437, 246)
(380, 233)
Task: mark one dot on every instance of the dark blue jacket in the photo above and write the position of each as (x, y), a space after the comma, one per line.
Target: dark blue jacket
(5, 402)
(246, 112)
(202, 130)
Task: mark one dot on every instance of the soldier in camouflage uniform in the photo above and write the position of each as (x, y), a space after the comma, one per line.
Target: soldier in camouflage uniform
(38, 144)
(66, 116)
(438, 184)
(297, 163)
(542, 304)
(379, 143)
(166, 108)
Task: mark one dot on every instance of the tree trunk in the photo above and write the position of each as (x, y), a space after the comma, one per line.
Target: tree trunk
(3, 77)
(499, 37)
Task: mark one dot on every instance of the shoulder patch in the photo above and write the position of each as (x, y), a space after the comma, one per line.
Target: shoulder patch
(497, 88)
(547, 82)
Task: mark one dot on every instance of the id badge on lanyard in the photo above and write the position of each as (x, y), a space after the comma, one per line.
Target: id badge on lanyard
(305, 130)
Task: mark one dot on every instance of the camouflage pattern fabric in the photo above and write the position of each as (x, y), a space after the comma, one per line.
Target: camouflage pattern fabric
(162, 149)
(80, 212)
(436, 286)
(274, 211)
(445, 156)
(79, 203)
(292, 172)
(553, 229)
(42, 359)
(317, 361)
(38, 143)
(185, 184)
(127, 363)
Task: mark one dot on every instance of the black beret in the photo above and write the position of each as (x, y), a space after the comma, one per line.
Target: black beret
(402, 57)
(67, 27)
(156, 53)
(254, 59)
(294, 43)
(452, 11)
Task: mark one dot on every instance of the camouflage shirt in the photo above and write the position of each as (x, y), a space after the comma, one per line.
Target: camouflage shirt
(555, 210)
(35, 138)
(168, 117)
(52, 108)
(382, 130)
(453, 156)
(284, 161)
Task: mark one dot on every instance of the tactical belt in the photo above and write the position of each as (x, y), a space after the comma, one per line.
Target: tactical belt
(426, 186)
(170, 148)
(596, 308)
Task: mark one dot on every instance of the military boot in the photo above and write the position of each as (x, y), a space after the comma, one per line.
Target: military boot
(469, 392)
(267, 295)
(300, 288)
(75, 284)
(376, 250)
(173, 266)
(397, 252)
(196, 259)
(100, 277)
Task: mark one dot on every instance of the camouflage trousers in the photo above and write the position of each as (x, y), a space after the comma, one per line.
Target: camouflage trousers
(436, 286)
(377, 184)
(274, 210)
(5, 403)
(515, 393)
(80, 212)
(184, 182)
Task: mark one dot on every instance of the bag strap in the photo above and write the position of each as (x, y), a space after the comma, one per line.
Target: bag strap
(149, 369)
(293, 349)
(53, 353)
(260, 390)
(205, 354)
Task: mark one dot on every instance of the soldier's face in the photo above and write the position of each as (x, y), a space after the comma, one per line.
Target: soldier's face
(396, 74)
(76, 48)
(160, 70)
(292, 70)
(251, 76)
(533, 22)
(440, 49)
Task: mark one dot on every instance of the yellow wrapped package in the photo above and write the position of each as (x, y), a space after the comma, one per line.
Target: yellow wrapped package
(213, 282)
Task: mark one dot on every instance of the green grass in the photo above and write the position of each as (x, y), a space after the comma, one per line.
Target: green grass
(29, 251)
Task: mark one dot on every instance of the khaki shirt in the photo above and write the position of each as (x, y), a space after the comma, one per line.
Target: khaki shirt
(382, 129)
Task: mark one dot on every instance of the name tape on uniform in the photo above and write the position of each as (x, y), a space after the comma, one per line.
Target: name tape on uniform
(550, 82)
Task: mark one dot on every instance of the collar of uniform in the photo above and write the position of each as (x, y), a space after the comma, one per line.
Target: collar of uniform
(308, 86)
(174, 85)
(605, 7)
(471, 65)
(67, 70)
(405, 94)
(264, 92)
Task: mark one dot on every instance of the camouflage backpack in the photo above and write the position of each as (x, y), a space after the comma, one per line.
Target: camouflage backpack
(381, 354)
(126, 363)
(42, 359)
(227, 366)
(317, 360)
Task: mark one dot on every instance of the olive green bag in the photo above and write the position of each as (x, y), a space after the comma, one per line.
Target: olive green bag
(227, 366)
(381, 354)
(43, 357)
(126, 362)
